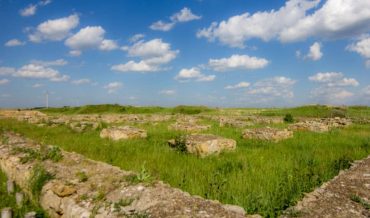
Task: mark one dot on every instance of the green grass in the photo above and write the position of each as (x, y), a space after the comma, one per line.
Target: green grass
(9, 201)
(262, 177)
(121, 109)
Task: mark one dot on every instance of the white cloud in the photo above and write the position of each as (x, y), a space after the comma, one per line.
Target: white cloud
(54, 30)
(271, 88)
(37, 85)
(331, 89)
(162, 26)
(40, 72)
(184, 15)
(294, 21)
(113, 87)
(4, 81)
(28, 11)
(333, 79)
(44, 2)
(90, 37)
(81, 81)
(186, 75)
(75, 53)
(362, 47)
(136, 38)
(5, 71)
(108, 45)
(366, 91)
(167, 92)
(238, 86)
(153, 54)
(58, 62)
(315, 53)
(237, 62)
(14, 42)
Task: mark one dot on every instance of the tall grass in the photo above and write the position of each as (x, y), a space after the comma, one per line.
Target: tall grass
(262, 177)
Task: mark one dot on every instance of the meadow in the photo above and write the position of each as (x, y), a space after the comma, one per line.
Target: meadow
(263, 177)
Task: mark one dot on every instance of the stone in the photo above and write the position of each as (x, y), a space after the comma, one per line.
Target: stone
(123, 132)
(235, 208)
(313, 126)
(63, 190)
(7, 212)
(188, 127)
(10, 186)
(234, 123)
(206, 144)
(30, 215)
(270, 134)
(19, 198)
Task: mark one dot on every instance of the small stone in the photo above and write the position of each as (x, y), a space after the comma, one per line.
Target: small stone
(235, 209)
(7, 212)
(63, 190)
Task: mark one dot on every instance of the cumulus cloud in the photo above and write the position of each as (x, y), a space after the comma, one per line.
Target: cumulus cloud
(113, 87)
(362, 47)
(153, 55)
(35, 71)
(333, 79)
(90, 37)
(293, 22)
(136, 37)
(186, 75)
(81, 81)
(14, 42)
(238, 86)
(315, 53)
(4, 81)
(237, 62)
(332, 87)
(184, 15)
(75, 53)
(270, 88)
(37, 85)
(54, 30)
(167, 92)
(28, 11)
(58, 62)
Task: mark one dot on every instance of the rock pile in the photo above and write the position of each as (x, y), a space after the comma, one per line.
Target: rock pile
(123, 132)
(82, 126)
(320, 125)
(270, 134)
(205, 144)
(238, 123)
(107, 191)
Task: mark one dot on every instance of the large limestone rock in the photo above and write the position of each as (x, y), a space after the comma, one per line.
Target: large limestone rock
(311, 125)
(123, 132)
(270, 134)
(188, 127)
(205, 144)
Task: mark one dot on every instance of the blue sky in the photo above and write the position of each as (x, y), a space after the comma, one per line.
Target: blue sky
(240, 53)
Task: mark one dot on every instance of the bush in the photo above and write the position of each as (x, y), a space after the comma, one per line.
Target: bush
(288, 118)
(180, 144)
(338, 112)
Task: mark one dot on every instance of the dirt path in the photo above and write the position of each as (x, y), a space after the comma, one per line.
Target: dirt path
(347, 195)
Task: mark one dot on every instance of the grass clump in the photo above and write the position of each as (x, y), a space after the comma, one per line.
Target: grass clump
(180, 144)
(39, 177)
(44, 153)
(82, 177)
(361, 201)
(288, 118)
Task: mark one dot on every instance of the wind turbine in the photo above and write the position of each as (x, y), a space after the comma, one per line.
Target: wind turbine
(47, 99)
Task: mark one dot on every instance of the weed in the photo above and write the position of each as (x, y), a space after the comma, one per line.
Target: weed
(82, 177)
(143, 175)
(288, 118)
(342, 163)
(84, 197)
(361, 201)
(44, 153)
(39, 177)
(180, 144)
(99, 196)
(123, 202)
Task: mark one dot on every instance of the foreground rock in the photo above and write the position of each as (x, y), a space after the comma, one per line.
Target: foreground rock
(123, 132)
(104, 190)
(270, 134)
(347, 195)
(204, 144)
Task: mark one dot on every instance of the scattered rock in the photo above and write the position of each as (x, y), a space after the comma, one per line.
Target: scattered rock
(270, 134)
(63, 190)
(188, 127)
(123, 132)
(206, 144)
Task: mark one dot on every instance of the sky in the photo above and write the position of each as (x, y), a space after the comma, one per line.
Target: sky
(238, 53)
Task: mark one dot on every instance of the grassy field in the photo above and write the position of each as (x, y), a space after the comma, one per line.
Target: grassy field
(262, 177)
(9, 201)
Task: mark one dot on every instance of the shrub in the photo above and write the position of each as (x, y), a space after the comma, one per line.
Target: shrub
(180, 144)
(338, 112)
(288, 118)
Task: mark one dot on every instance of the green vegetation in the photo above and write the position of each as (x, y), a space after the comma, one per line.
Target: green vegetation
(38, 179)
(361, 201)
(82, 177)
(288, 118)
(263, 177)
(7, 200)
(115, 108)
(45, 153)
